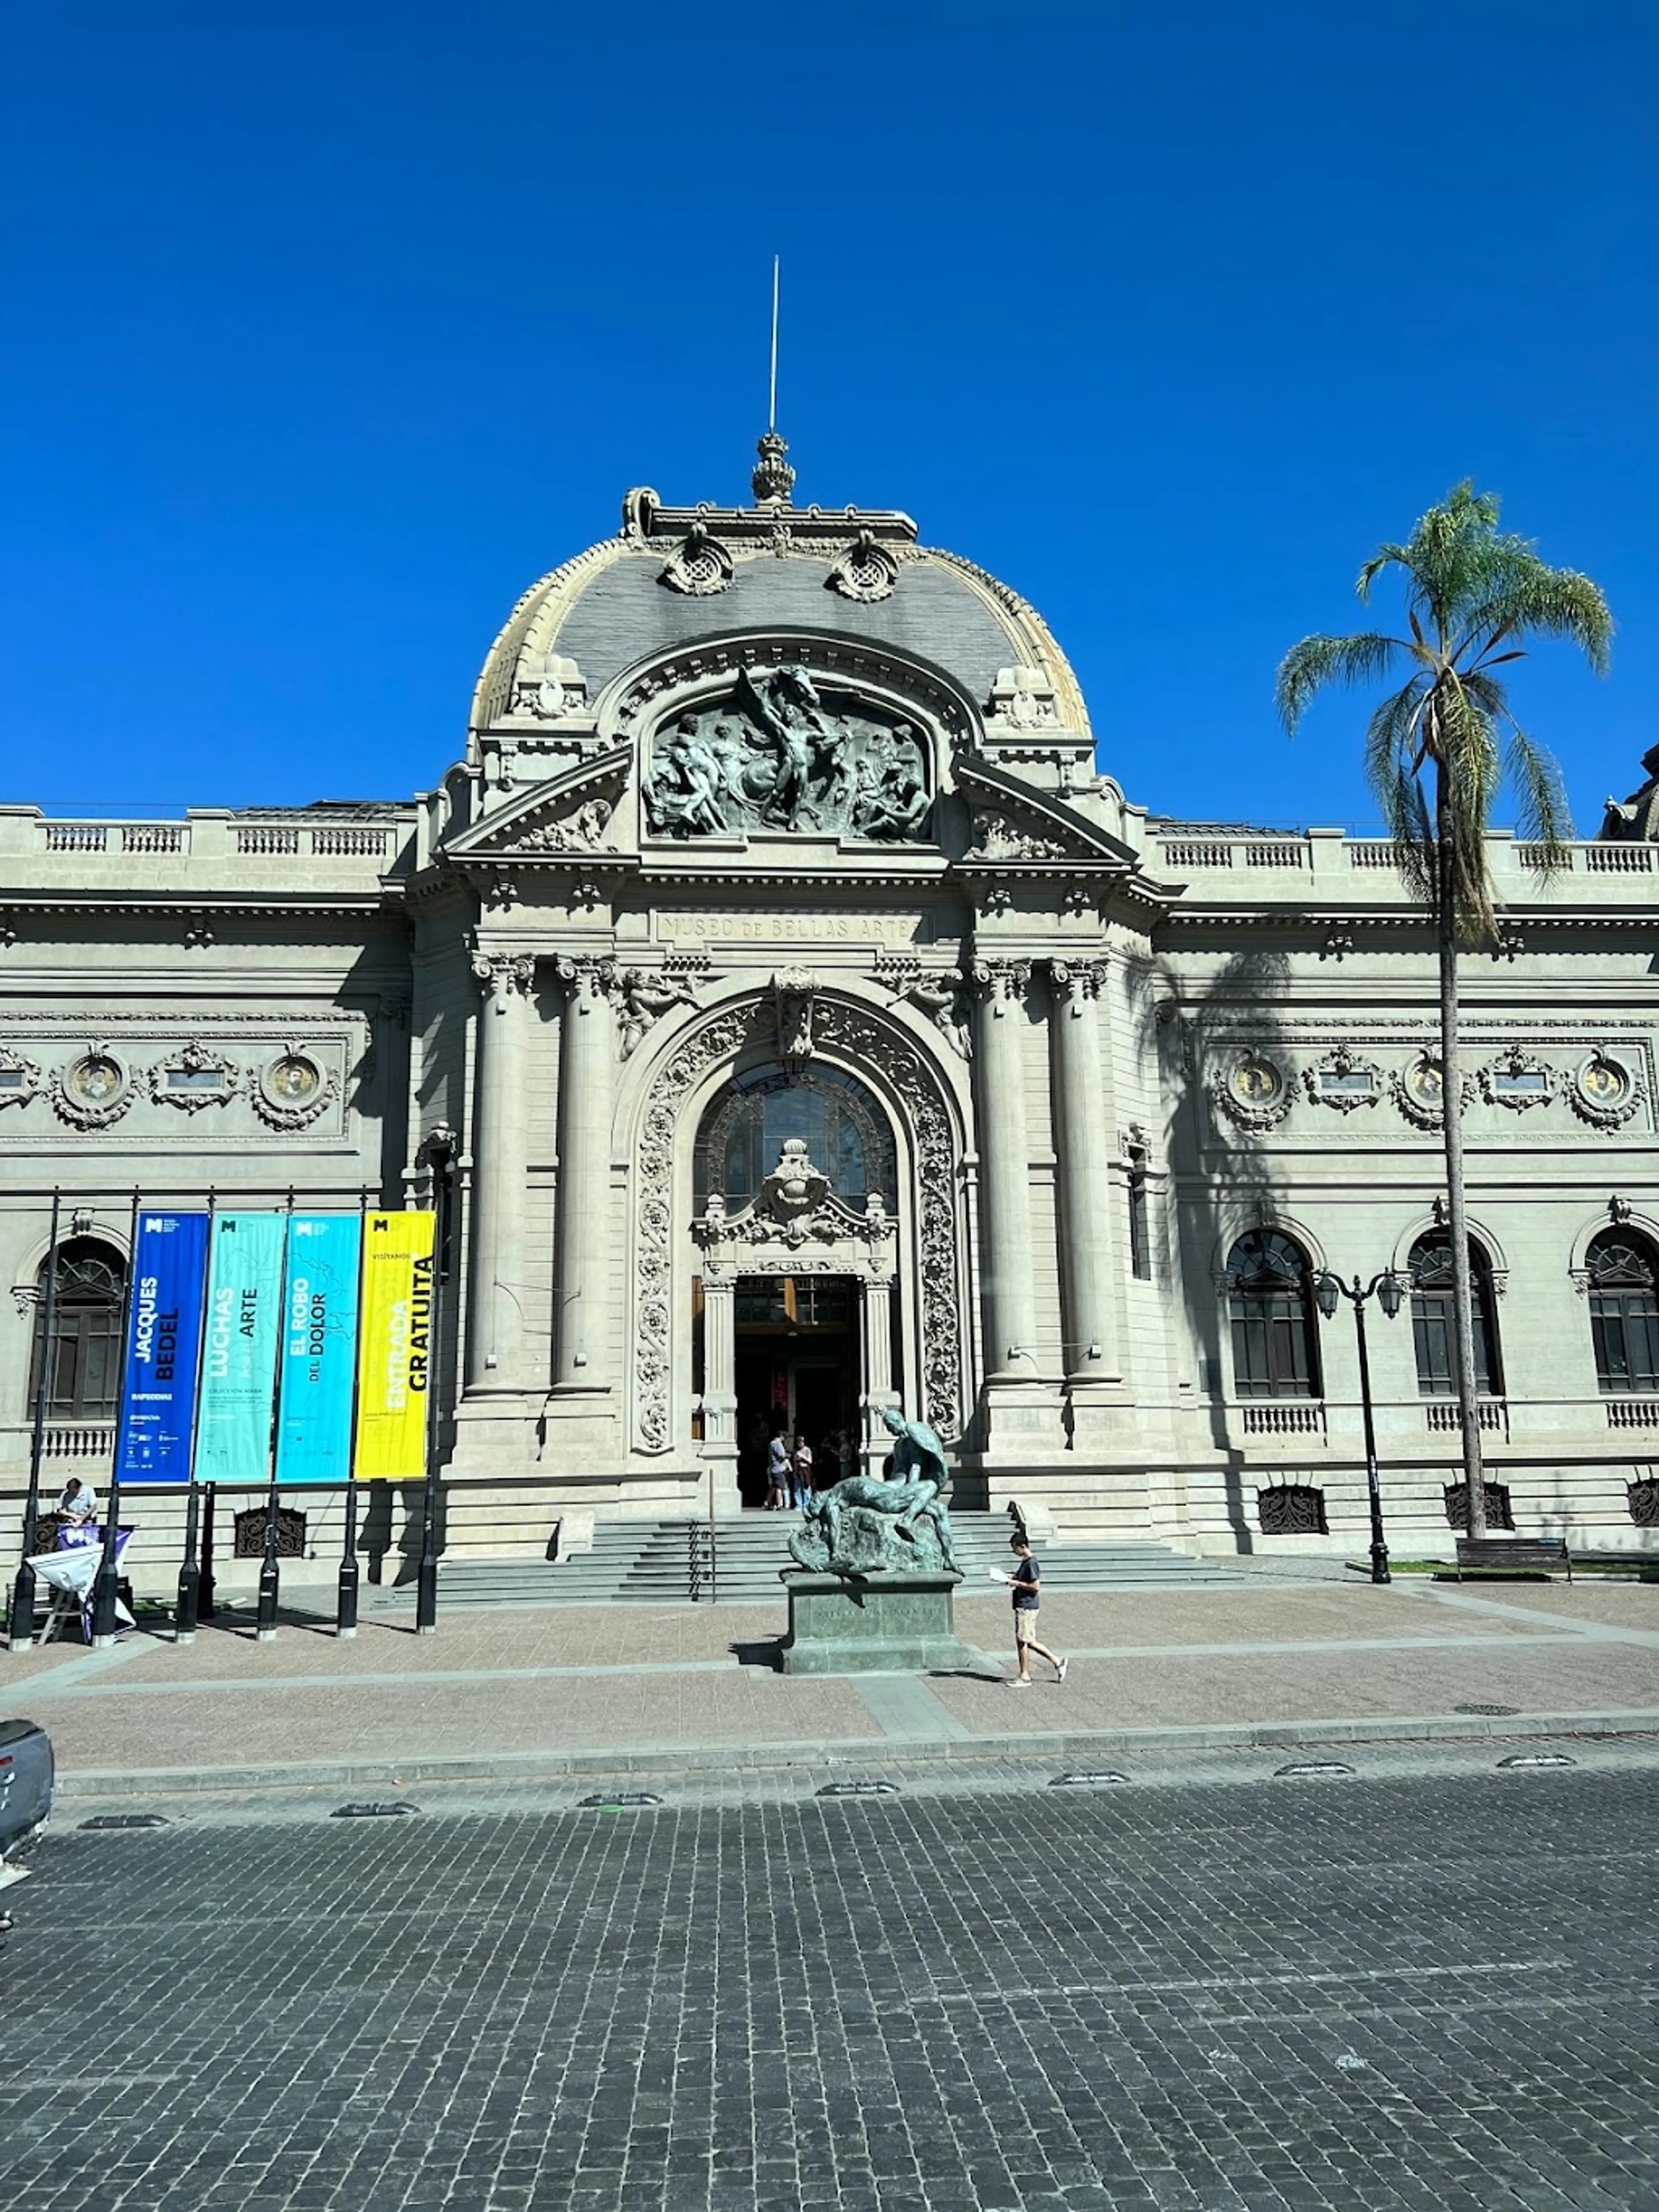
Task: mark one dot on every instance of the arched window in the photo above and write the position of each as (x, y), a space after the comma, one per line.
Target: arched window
(1432, 1323)
(1624, 1301)
(82, 1363)
(844, 1130)
(1275, 1353)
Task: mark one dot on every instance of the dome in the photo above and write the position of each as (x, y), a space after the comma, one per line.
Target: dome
(674, 575)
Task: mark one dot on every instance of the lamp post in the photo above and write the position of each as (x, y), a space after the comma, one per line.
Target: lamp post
(1388, 1290)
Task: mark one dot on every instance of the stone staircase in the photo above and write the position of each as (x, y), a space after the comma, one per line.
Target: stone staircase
(667, 1562)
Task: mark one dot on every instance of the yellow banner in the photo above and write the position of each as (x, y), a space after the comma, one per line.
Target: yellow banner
(394, 1347)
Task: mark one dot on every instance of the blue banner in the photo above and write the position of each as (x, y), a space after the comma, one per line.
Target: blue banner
(239, 1348)
(158, 1385)
(319, 1347)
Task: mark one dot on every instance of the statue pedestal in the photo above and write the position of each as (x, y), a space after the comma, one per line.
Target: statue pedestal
(874, 1623)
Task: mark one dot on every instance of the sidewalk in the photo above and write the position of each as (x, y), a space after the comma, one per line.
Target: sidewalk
(518, 1695)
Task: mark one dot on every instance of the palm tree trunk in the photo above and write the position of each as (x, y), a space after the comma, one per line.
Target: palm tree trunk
(1464, 1373)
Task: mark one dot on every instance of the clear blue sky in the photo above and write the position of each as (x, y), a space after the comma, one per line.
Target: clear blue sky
(329, 328)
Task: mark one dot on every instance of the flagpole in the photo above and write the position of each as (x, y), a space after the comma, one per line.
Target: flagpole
(426, 1593)
(270, 1573)
(103, 1588)
(20, 1628)
(345, 1612)
(187, 1609)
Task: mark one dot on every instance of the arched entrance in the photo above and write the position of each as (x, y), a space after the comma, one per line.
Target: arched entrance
(894, 1102)
(795, 1331)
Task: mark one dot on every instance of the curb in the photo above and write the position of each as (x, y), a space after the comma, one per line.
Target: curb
(530, 1767)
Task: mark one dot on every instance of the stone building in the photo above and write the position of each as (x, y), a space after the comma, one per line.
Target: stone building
(789, 1019)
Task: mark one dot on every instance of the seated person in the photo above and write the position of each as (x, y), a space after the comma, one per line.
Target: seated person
(77, 1508)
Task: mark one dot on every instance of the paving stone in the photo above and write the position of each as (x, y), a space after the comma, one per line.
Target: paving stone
(1382, 1997)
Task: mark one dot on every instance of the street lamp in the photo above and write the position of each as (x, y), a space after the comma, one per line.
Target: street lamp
(1388, 1290)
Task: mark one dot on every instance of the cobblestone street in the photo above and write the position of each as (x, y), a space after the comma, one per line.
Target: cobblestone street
(976, 1997)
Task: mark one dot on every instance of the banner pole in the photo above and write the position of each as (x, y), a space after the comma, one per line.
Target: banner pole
(20, 1628)
(208, 1608)
(187, 1609)
(426, 1595)
(345, 1611)
(270, 1572)
(103, 1588)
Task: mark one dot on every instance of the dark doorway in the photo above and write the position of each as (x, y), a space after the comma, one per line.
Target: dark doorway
(798, 1371)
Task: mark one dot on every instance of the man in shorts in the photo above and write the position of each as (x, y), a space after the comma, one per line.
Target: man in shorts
(1027, 1583)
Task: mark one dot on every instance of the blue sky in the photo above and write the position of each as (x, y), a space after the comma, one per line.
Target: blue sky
(328, 328)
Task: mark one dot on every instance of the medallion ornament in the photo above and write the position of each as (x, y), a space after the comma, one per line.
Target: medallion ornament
(290, 1091)
(1603, 1092)
(92, 1092)
(1254, 1092)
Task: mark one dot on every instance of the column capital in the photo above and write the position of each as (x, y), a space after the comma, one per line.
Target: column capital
(588, 977)
(1076, 982)
(500, 976)
(1000, 983)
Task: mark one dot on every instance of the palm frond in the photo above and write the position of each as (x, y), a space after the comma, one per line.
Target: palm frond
(1405, 812)
(1307, 668)
(1532, 600)
(1391, 733)
(1542, 815)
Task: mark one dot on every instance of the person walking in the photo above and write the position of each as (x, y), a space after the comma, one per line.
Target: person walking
(777, 1474)
(802, 1466)
(1027, 1582)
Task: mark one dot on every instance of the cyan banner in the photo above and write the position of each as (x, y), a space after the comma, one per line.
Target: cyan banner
(319, 1347)
(239, 1348)
(158, 1383)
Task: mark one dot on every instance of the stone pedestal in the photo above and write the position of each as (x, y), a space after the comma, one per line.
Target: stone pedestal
(879, 1624)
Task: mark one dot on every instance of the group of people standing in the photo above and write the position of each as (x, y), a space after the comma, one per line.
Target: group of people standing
(793, 1474)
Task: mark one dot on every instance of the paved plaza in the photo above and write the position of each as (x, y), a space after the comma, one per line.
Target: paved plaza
(500, 1694)
(1430, 1992)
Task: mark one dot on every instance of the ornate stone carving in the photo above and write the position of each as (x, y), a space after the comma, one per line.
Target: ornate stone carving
(20, 1078)
(1023, 699)
(1001, 983)
(1419, 1092)
(793, 990)
(776, 755)
(717, 1039)
(773, 478)
(498, 972)
(1604, 1092)
(867, 1042)
(864, 1040)
(194, 1078)
(941, 993)
(866, 571)
(1343, 1081)
(997, 838)
(579, 831)
(290, 1091)
(699, 565)
(558, 692)
(1254, 1092)
(1517, 1080)
(93, 1091)
(645, 997)
(1077, 982)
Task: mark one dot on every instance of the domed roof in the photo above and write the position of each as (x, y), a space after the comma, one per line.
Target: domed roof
(673, 575)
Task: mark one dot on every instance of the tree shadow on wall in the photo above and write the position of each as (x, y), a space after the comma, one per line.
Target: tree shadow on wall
(1225, 1178)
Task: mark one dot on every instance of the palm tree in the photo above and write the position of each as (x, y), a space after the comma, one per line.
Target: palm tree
(1439, 752)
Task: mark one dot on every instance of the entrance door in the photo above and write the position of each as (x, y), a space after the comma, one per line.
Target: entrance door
(797, 1370)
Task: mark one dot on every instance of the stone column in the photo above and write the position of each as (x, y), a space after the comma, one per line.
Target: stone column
(720, 1395)
(1006, 1280)
(494, 1337)
(587, 1063)
(1084, 1143)
(876, 1360)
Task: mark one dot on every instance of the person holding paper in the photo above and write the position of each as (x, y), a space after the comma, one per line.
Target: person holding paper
(1026, 1583)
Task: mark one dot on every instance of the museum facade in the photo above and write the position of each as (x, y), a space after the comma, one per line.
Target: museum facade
(789, 1020)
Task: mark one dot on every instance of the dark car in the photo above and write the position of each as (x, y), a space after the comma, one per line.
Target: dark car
(26, 1779)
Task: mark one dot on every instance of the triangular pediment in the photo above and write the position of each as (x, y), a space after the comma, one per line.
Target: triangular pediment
(566, 814)
(1012, 822)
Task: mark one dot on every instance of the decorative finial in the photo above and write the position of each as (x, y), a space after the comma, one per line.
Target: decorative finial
(774, 478)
